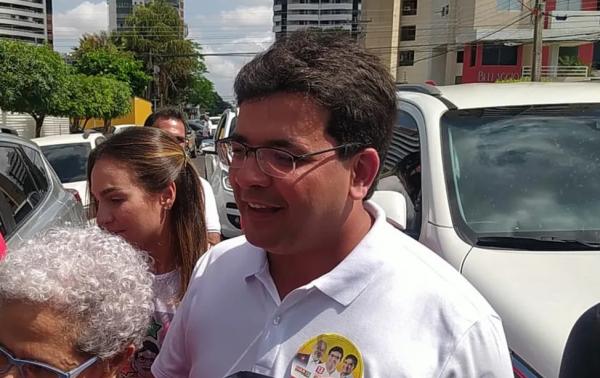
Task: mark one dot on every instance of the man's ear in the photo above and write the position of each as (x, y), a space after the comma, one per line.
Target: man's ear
(365, 166)
(168, 196)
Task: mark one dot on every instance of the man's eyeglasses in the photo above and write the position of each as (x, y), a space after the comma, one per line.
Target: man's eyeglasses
(272, 161)
(34, 369)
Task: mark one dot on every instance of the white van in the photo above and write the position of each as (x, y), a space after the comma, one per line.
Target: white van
(503, 182)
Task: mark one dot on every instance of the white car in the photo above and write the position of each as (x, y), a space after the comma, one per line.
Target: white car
(68, 155)
(119, 128)
(503, 182)
(218, 176)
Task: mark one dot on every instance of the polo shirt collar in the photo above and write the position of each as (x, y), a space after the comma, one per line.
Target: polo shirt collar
(350, 277)
(255, 261)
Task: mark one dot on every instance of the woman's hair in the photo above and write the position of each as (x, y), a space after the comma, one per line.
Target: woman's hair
(156, 160)
(96, 280)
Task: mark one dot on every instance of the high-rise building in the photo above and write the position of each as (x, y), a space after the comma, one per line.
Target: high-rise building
(26, 20)
(466, 41)
(291, 15)
(119, 10)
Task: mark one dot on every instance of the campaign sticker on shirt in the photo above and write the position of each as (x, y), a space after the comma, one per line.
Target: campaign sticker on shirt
(328, 356)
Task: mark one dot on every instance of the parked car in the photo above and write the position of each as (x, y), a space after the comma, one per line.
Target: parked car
(32, 198)
(218, 176)
(68, 155)
(190, 142)
(200, 129)
(502, 182)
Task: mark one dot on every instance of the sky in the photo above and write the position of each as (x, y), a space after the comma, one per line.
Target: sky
(220, 26)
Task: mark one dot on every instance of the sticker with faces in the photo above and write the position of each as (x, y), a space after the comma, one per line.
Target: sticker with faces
(328, 356)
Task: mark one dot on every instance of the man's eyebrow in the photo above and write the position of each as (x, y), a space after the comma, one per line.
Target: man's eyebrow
(280, 143)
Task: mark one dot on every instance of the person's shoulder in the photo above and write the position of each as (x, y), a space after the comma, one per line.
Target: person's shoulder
(409, 260)
(230, 257)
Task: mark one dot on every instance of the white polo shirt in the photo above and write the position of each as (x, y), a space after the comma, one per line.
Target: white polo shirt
(408, 312)
(213, 224)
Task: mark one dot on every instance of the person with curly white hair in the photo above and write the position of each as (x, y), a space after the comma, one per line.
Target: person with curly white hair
(73, 303)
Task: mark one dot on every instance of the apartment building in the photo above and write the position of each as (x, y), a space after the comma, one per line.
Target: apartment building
(465, 41)
(119, 10)
(26, 20)
(291, 15)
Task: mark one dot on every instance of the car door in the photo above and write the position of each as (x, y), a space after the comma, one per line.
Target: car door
(210, 160)
(20, 191)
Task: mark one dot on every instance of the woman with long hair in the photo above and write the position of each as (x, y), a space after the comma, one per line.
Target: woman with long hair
(145, 189)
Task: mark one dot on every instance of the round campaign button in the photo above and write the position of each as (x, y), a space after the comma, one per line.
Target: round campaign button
(328, 356)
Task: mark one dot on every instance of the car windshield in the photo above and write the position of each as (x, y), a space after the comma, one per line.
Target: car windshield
(524, 171)
(68, 160)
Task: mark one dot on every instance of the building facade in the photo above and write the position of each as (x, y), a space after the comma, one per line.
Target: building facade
(292, 15)
(119, 10)
(466, 41)
(26, 20)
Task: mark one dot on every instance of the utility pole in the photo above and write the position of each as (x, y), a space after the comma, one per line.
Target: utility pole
(538, 27)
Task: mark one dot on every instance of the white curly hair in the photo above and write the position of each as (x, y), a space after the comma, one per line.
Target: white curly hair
(92, 277)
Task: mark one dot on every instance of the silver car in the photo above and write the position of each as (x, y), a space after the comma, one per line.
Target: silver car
(218, 176)
(32, 198)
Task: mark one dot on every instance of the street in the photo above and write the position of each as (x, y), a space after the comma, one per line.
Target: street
(199, 164)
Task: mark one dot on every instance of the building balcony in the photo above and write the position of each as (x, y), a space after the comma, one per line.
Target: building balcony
(560, 73)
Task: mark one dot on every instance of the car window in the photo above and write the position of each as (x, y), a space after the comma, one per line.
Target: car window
(401, 170)
(220, 134)
(20, 194)
(524, 171)
(232, 126)
(68, 160)
(38, 170)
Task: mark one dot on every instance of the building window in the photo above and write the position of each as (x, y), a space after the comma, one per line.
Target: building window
(409, 8)
(460, 56)
(406, 58)
(408, 33)
(568, 5)
(473, 56)
(509, 5)
(499, 55)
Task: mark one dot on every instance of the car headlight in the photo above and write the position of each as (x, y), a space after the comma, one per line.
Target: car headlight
(226, 182)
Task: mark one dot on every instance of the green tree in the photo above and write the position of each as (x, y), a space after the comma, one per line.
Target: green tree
(96, 97)
(32, 80)
(219, 105)
(110, 61)
(202, 93)
(93, 41)
(156, 35)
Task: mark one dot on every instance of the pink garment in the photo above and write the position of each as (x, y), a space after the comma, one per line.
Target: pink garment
(2, 247)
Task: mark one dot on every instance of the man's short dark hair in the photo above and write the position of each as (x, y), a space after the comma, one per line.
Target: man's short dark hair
(353, 358)
(336, 349)
(168, 113)
(338, 74)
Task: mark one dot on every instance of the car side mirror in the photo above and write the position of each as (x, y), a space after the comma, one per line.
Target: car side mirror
(209, 150)
(394, 206)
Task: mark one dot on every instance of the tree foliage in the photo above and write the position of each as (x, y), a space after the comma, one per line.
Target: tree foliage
(156, 35)
(32, 80)
(219, 105)
(96, 97)
(202, 93)
(109, 61)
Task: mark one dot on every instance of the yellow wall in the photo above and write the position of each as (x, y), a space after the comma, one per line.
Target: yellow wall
(140, 110)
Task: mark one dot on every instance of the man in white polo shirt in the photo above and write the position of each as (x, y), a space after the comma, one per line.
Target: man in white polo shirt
(174, 122)
(318, 260)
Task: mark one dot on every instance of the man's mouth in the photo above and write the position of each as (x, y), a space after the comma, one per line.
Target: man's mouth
(262, 207)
